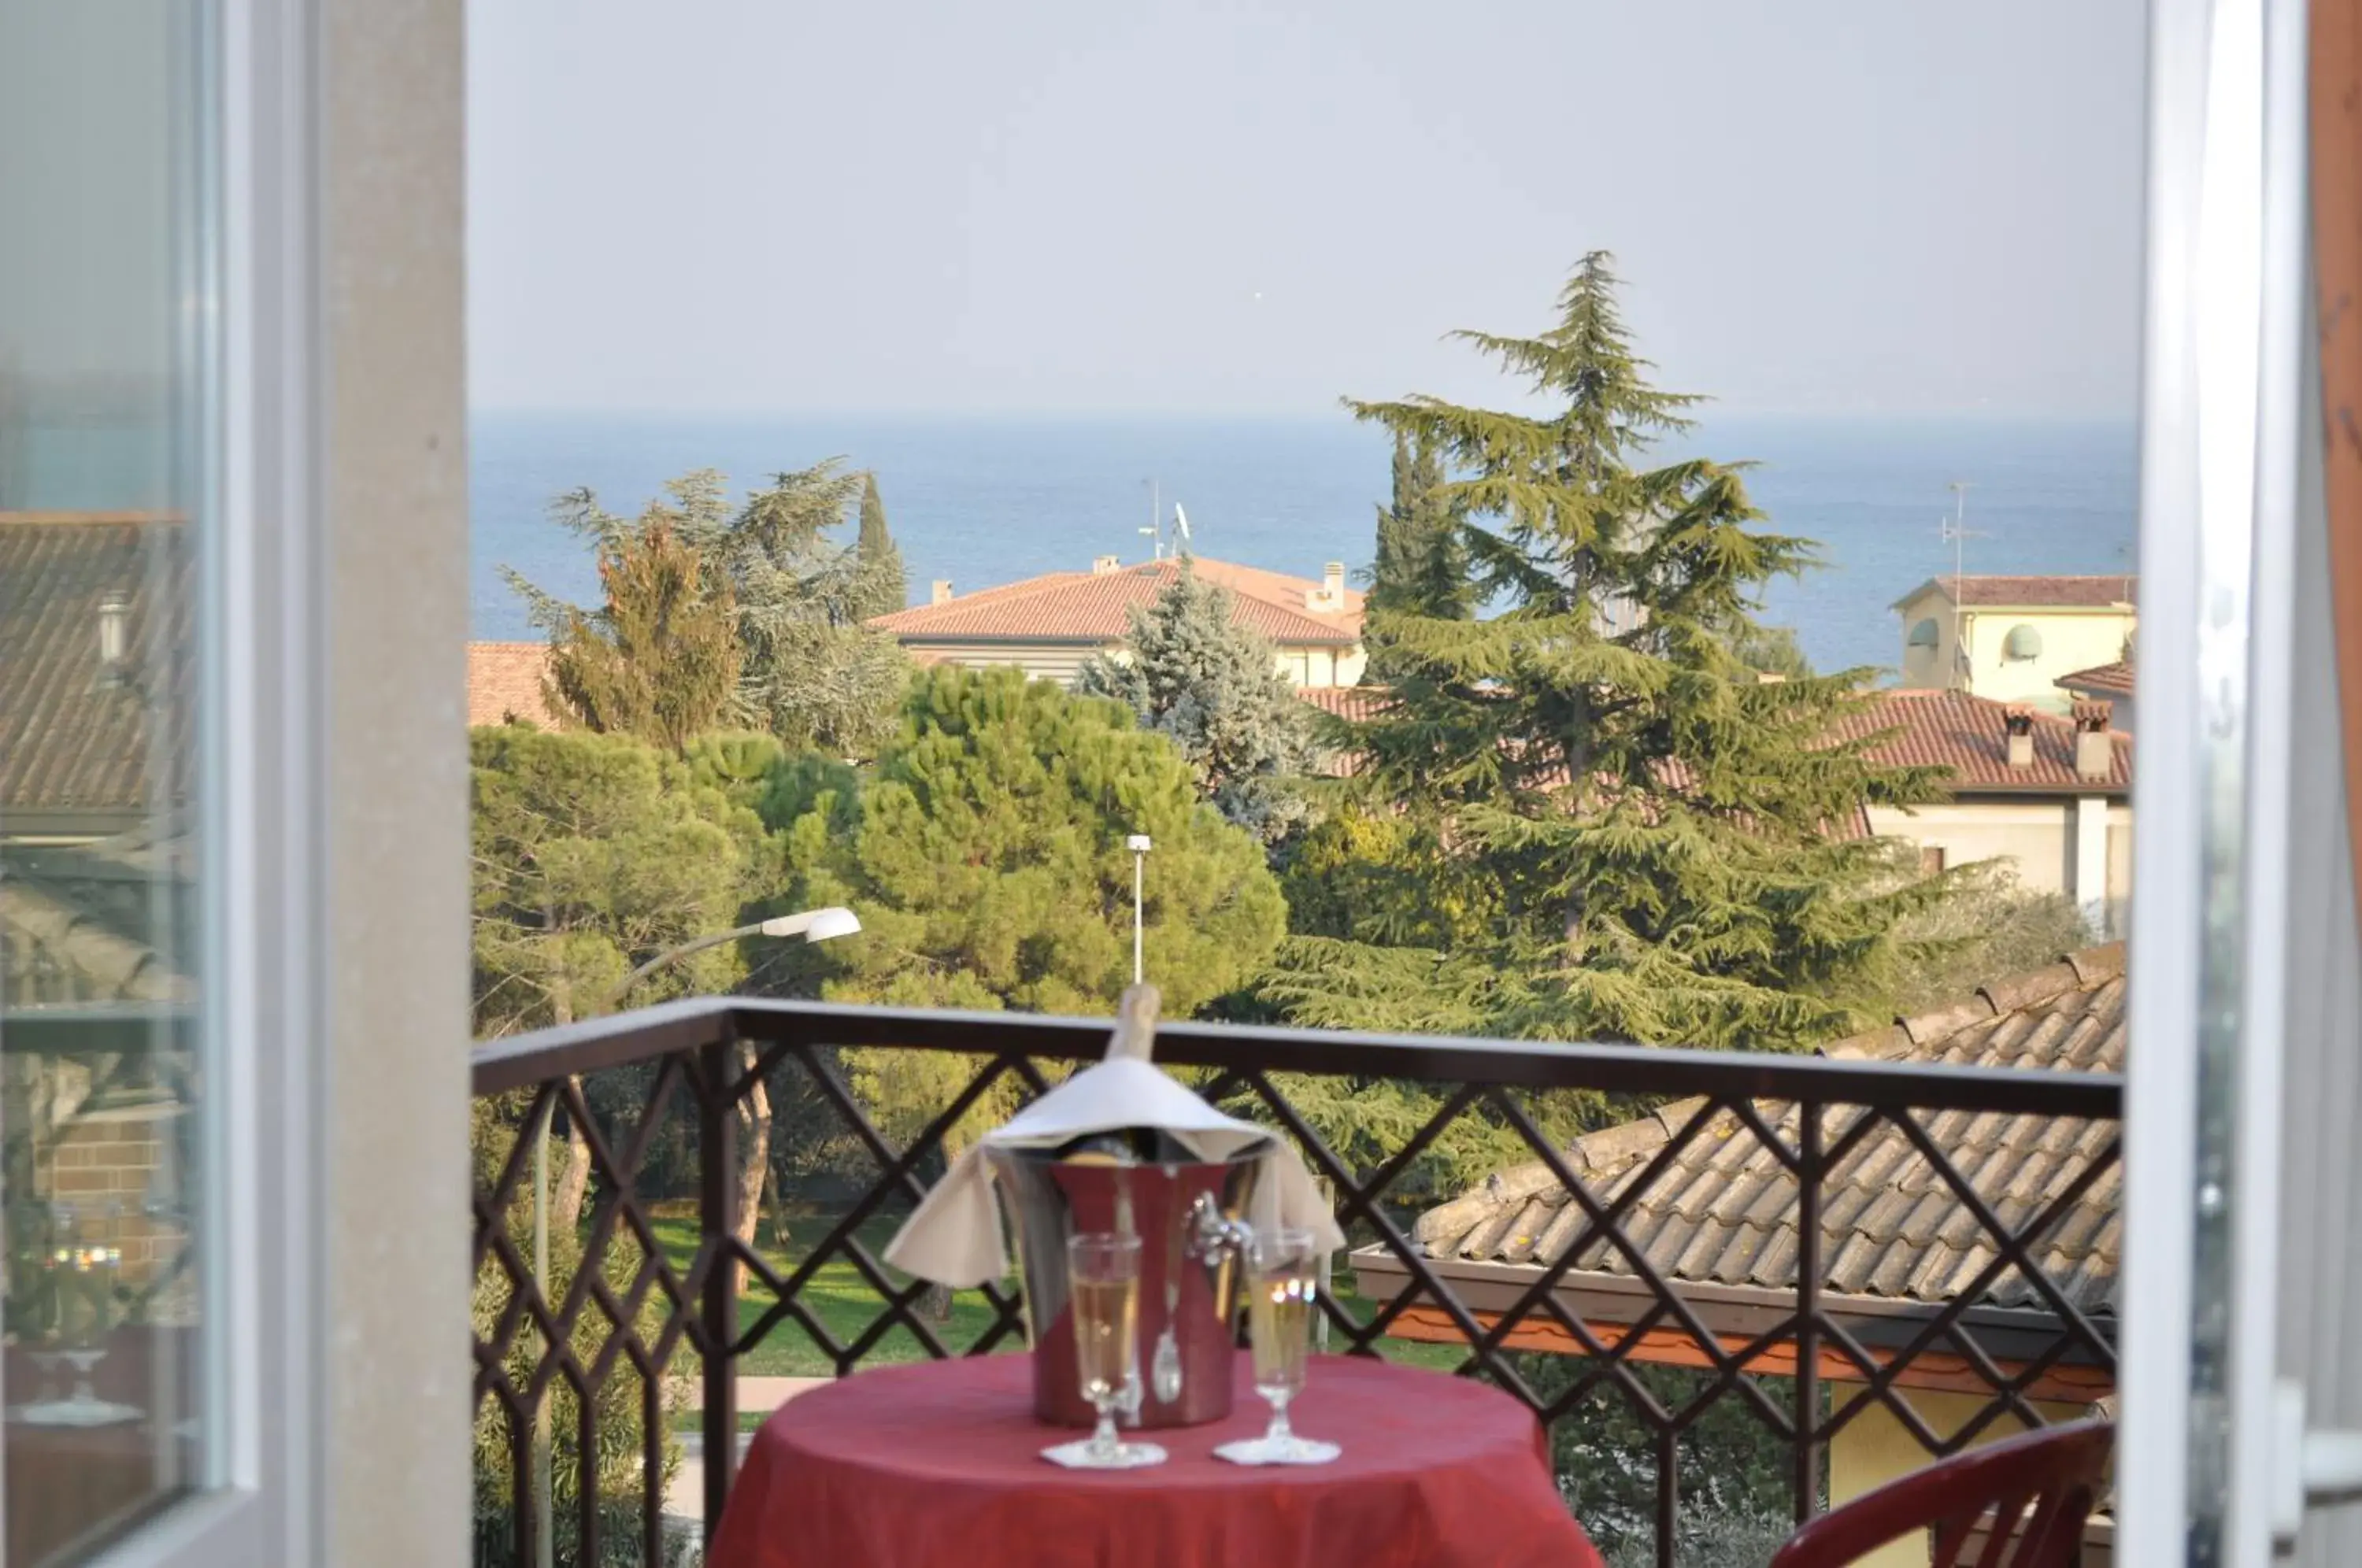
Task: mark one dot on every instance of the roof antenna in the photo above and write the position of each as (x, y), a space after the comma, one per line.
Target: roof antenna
(1955, 531)
(1156, 529)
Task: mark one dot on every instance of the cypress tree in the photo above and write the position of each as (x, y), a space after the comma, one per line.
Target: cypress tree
(880, 584)
(1392, 570)
(1647, 842)
(1421, 566)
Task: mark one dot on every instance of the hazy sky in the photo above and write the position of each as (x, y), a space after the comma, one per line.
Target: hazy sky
(1252, 205)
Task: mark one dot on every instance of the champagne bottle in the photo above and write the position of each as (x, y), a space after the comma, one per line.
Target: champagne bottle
(1130, 1146)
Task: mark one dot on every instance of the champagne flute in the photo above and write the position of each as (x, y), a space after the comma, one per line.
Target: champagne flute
(1283, 1276)
(85, 1266)
(1103, 1296)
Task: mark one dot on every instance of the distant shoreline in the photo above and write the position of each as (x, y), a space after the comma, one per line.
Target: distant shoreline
(985, 498)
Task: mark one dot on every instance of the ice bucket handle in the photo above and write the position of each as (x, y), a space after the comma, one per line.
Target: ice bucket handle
(1214, 1236)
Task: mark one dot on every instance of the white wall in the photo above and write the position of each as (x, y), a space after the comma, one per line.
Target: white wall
(1061, 662)
(2079, 846)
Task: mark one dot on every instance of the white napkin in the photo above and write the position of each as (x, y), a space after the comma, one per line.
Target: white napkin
(954, 1237)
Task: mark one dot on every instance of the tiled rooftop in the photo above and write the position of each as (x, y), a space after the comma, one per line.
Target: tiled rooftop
(1970, 734)
(1091, 606)
(72, 739)
(504, 684)
(2108, 679)
(1725, 1212)
(2100, 591)
(1955, 730)
(1357, 705)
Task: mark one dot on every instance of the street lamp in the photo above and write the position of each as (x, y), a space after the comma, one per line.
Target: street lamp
(1139, 845)
(813, 925)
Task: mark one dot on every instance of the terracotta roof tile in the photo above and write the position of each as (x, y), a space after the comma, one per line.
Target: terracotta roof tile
(504, 684)
(1724, 1211)
(2108, 679)
(1968, 735)
(2097, 592)
(70, 740)
(1357, 705)
(1084, 606)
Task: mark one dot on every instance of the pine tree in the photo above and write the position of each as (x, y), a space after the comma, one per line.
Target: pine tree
(593, 853)
(986, 856)
(1655, 840)
(809, 671)
(1192, 672)
(881, 587)
(661, 659)
(1772, 651)
(815, 674)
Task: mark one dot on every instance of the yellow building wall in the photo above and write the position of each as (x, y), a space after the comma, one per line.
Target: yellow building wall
(2038, 836)
(2071, 640)
(1874, 1448)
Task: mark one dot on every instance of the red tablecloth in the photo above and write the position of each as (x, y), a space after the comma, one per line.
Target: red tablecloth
(938, 1465)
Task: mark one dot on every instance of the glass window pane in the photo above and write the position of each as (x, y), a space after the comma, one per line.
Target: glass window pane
(105, 170)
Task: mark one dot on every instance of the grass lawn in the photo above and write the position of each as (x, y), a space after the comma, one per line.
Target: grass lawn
(845, 1305)
(837, 1295)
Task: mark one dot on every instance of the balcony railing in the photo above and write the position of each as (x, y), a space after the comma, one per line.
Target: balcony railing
(621, 1328)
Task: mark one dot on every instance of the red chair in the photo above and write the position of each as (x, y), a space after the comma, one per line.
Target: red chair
(2059, 1471)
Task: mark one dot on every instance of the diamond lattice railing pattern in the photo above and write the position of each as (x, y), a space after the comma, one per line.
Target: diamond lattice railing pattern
(1794, 1239)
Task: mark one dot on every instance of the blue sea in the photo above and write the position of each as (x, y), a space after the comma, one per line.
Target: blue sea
(986, 500)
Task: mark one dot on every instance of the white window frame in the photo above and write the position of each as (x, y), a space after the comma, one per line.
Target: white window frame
(2219, 278)
(2227, 276)
(261, 713)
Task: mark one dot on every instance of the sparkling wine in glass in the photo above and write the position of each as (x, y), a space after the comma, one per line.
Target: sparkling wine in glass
(1283, 1281)
(1103, 1298)
(86, 1263)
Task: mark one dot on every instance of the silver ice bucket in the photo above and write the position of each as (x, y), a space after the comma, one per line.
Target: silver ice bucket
(1190, 1219)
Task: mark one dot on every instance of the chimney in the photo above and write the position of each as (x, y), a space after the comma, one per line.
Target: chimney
(1331, 595)
(2019, 721)
(942, 592)
(2095, 748)
(1106, 565)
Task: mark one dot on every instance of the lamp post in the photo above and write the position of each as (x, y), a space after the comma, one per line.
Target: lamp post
(813, 925)
(1139, 845)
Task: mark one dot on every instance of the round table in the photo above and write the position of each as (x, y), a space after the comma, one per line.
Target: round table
(939, 1463)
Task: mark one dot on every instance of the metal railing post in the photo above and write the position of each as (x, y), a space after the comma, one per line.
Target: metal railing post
(717, 1169)
(1808, 1455)
(545, 1495)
